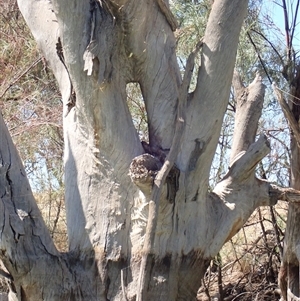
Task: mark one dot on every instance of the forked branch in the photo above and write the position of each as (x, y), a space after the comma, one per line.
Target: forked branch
(163, 173)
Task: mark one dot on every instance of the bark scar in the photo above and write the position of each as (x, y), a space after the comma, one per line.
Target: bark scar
(172, 183)
(199, 145)
(72, 98)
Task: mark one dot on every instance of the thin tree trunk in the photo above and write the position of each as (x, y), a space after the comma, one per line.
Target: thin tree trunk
(289, 271)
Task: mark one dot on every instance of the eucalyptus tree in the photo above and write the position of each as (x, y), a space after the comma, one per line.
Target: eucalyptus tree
(142, 223)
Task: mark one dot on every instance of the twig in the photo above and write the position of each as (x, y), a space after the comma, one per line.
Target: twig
(241, 294)
(270, 43)
(22, 74)
(206, 285)
(261, 222)
(259, 57)
(277, 234)
(206, 290)
(220, 281)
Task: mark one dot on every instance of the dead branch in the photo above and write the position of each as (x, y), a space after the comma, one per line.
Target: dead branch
(284, 194)
(288, 114)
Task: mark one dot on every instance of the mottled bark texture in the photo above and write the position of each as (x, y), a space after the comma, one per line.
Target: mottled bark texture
(142, 224)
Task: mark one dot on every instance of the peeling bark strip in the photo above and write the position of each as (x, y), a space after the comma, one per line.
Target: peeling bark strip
(89, 54)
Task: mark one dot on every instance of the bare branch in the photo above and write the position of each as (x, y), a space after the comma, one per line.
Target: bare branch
(295, 21)
(270, 43)
(21, 75)
(289, 195)
(259, 56)
(212, 90)
(287, 113)
(248, 111)
(287, 30)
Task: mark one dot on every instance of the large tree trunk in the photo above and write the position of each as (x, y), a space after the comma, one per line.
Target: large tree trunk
(133, 235)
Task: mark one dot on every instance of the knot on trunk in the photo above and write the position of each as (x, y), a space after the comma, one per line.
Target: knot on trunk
(143, 170)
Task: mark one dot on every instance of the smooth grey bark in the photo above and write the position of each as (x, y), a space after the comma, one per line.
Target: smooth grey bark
(103, 45)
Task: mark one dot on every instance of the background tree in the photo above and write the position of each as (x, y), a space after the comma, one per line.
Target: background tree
(150, 235)
(289, 99)
(31, 105)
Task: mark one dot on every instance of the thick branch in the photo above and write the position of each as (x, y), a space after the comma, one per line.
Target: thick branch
(39, 14)
(243, 166)
(240, 193)
(163, 173)
(249, 103)
(157, 71)
(24, 235)
(208, 104)
(100, 138)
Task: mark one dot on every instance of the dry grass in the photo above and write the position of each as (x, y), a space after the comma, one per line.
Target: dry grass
(247, 266)
(53, 210)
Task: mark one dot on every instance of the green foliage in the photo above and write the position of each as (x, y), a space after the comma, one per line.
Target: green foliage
(192, 17)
